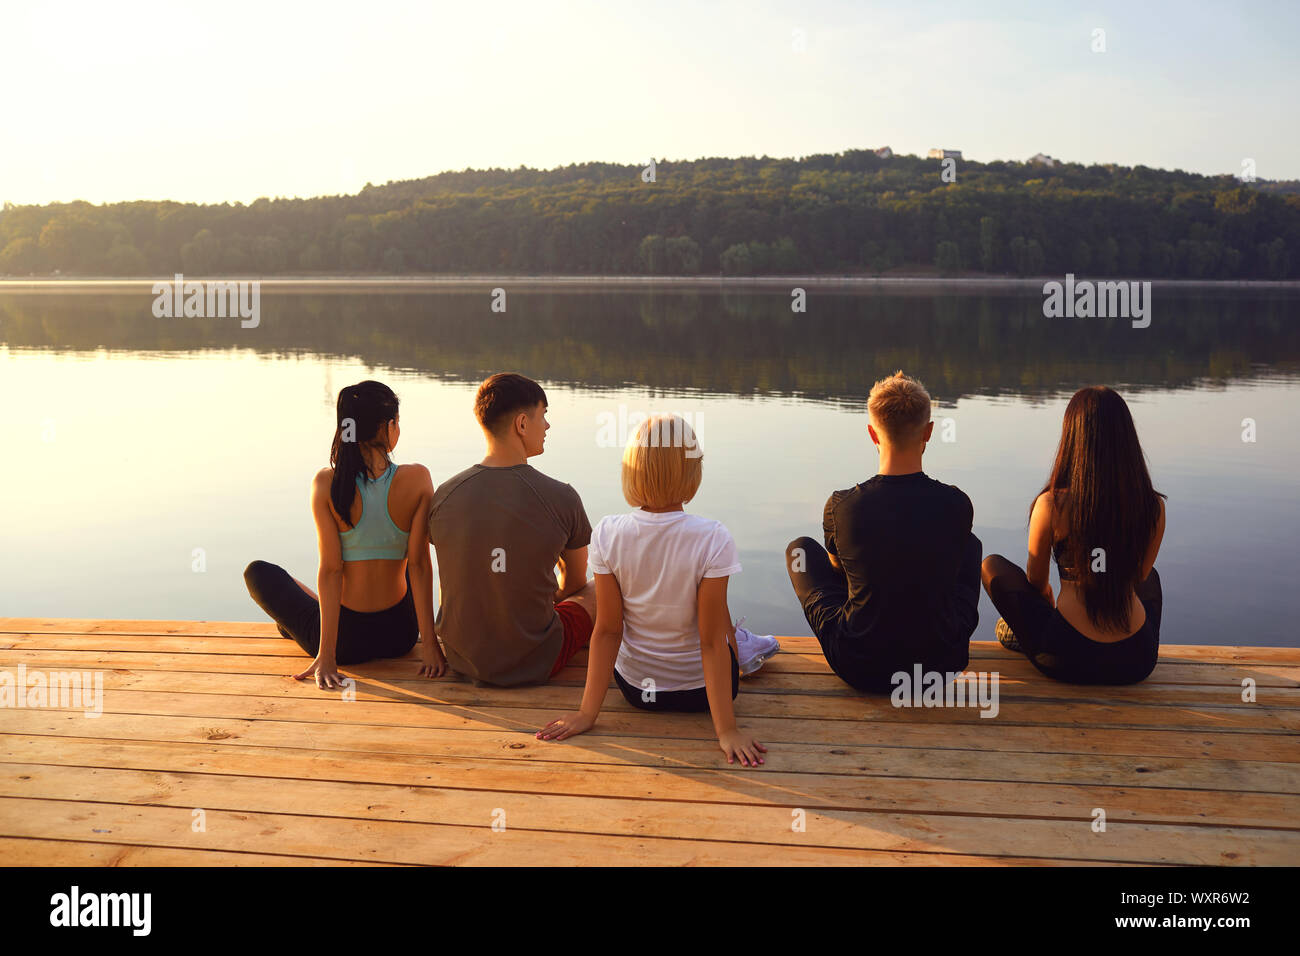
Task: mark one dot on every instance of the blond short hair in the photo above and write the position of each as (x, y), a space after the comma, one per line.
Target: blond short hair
(900, 406)
(662, 463)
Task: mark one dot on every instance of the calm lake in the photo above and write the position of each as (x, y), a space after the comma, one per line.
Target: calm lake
(133, 442)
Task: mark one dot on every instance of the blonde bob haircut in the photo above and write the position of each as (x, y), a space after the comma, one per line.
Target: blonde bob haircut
(661, 463)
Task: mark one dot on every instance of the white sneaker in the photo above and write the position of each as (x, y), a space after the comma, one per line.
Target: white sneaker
(753, 648)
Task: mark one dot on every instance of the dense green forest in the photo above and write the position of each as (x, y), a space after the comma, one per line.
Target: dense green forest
(847, 213)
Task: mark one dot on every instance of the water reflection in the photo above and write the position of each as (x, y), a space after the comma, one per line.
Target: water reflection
(152, 438)
(714, 342)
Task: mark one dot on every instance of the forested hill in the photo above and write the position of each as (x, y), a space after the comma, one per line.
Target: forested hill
(848, 213)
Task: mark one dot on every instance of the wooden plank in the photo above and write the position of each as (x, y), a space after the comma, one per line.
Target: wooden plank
(71, 625)
(834, 772)
(1138, 802)
(772, 680)
(33, 852)
(423, 843)
(418, 688)
(689, 741)
(333, 808)
(762, 713)
(251, 646)
(1184, 653)
(780, 672)
(792, 644)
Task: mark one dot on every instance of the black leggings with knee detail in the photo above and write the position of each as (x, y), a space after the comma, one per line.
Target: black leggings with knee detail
(362, 636)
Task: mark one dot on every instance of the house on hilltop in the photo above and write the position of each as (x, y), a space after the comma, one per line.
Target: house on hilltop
(885, 152)
(1042, 159)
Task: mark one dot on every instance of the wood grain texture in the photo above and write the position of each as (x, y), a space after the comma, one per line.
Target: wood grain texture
(406, 771)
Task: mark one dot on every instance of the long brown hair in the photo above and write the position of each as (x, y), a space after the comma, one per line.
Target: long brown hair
(1103, 496)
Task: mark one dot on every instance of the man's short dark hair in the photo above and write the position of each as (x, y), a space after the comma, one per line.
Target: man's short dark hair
(503, 396)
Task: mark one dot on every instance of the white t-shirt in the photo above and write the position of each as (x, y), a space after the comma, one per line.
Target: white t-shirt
(659, 561)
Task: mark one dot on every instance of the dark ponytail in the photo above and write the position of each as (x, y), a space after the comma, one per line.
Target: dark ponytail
(369, 405)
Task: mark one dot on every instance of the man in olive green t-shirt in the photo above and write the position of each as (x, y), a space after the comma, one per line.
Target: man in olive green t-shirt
(500, 528)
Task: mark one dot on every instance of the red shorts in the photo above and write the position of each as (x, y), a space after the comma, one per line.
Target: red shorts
(577, 632)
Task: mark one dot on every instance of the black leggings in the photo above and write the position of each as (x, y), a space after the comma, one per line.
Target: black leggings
(1060, 651)
(694, 701)
(362, 636)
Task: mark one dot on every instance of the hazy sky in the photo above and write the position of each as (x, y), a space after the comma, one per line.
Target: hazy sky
(232, 100)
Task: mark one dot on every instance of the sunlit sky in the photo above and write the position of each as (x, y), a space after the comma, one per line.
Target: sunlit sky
(229, 101)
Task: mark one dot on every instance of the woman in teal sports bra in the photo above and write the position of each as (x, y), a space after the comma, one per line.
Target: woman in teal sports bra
(375, 579)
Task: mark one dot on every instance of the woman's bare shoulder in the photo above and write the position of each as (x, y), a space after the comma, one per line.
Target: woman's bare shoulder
(415, 475)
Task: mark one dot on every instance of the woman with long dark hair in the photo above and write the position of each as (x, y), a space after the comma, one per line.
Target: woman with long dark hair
(1102, 521)
(375, 576)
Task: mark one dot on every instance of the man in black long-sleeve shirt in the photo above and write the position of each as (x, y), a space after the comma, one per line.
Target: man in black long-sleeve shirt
(899, 579)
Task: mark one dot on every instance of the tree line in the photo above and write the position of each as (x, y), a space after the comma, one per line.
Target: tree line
(846, 213)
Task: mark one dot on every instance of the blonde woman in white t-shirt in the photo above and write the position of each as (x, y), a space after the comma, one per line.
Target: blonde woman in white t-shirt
(663, 631)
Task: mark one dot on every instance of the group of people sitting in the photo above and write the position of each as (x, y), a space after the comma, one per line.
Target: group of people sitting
(894, 584)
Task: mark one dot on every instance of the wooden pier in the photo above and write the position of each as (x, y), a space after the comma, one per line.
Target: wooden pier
(207, 753)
